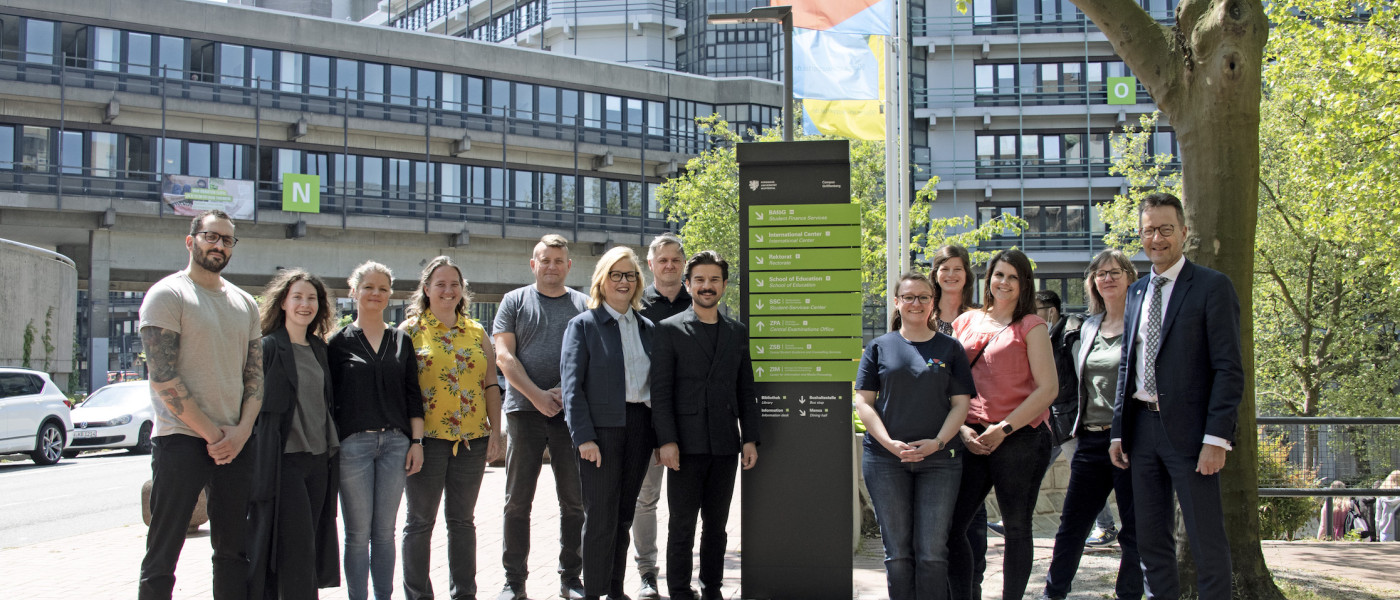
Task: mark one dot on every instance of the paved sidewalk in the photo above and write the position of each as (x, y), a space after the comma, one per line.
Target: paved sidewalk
(104, 564)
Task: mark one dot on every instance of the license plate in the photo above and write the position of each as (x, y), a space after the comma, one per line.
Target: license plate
(78, 435)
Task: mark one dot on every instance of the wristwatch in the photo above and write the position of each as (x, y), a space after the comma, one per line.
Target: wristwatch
(418, 441)
(1006, 428)
(941, 444)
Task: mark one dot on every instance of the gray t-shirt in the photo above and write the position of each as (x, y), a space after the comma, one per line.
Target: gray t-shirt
(215, 328)
(538, 323)
(1100, 379)
(312, 429)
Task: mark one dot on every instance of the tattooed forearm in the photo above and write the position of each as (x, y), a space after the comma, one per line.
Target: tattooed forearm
(175, 398)
(253, 376)
(162, 352)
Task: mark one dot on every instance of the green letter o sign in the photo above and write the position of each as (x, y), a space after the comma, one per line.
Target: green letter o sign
(1122, 90)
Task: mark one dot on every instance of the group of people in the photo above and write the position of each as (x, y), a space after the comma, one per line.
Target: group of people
(1372, 519)
(288, 423)
(956, 402)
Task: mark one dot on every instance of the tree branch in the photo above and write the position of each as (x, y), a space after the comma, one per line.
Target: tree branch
(1145, 45)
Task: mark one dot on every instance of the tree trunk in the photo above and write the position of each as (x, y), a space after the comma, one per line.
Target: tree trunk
(1205, 75)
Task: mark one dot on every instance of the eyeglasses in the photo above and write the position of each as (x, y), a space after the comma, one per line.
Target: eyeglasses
(210, 237)
(1165, 231)
(620, 275)
(1111, 275)
(923, 299)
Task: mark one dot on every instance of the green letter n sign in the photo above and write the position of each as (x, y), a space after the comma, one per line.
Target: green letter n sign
(1122, 90)
(301, 193)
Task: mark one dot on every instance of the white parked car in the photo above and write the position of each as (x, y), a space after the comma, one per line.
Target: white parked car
(34, 416)
(118, 415)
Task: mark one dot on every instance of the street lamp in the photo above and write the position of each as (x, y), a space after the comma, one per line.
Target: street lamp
(770, 14)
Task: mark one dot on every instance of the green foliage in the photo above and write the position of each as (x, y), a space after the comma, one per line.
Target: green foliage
(1327, 285)
(1281, 517)
(342, 322)
(1146, 174)
(27, 349)
(48, 338)
(704, 199)
(73, 378)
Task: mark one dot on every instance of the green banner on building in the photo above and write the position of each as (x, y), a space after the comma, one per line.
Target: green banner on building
(301, 193)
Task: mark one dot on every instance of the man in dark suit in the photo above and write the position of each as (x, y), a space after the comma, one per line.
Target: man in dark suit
(1179, 387)
(702, 391)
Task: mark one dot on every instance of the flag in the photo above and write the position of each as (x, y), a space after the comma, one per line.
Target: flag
(839, 65)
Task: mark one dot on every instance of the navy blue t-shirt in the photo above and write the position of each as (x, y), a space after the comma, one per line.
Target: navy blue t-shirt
(913, 382)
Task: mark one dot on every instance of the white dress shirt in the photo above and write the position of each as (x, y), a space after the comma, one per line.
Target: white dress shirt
(1140, 362)
(636, 363)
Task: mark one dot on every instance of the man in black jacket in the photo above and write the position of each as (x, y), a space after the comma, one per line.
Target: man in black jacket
(702, 391)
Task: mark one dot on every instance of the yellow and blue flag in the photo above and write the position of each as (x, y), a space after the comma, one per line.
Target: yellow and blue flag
(839, 65)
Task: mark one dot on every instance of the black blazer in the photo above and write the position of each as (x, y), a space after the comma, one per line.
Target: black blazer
(699, 398)
(591, 371)
(1200, 372)
(268, 443)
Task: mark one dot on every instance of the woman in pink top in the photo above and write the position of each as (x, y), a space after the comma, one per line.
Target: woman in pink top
(1008, 442)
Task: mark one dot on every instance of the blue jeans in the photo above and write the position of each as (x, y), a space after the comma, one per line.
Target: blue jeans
(371, 485)
(458, 479)
(914, 505)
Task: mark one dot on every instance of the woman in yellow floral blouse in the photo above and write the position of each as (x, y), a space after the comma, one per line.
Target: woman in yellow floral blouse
(462, 427)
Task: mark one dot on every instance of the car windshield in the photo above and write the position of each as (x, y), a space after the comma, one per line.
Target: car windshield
(110, 397)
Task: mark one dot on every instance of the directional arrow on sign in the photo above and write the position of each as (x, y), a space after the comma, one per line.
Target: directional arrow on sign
(760, 371)
(758, 237)
(801, 413)
(758, 304)
(759, 349)
(758, 282)
(758, 259)
(759, 326)
(758, 216)
(802, 400)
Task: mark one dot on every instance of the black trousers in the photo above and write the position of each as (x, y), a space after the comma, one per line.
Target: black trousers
(1158, 470)
(1091, 477)
(610, 499)
(301, 495)
(703, 486)
(180, 469)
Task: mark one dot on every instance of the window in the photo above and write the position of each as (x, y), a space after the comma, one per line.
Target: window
(7, 147)
(19, 384)
(233, 161)
(34, 149)
(523, 183)
(549, 104)
(568, 107)
(450, 184)
(168, 156)
(138, 157)
(70, 159)
(106, 49)
(500, 97)
(400, 85)
(138, 53)
(425, 92)
(200, 155)
(374, 82)
(262, 68)
(289, 77)
(373, 174)
(451, 92)
(592, 110)
(592, 195)
(231, 64)
(318, 75)
(103, 149)
(172, 57)
(524, 101)
(476, 95)
(347, 78)
(39, 41)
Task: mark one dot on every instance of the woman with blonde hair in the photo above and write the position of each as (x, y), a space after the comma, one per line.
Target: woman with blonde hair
(1388, 509)
(605, 378)
(379, 413)
(462, 427)
(293, 546)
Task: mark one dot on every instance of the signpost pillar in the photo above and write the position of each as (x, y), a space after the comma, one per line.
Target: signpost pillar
(800, 241)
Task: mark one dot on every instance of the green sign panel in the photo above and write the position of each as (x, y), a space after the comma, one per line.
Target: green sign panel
(808, 259)
(1122, 90)
(301, 193)
(820, 236)
(807, 370)
(811, 304)
(804, 214)
(810, 281)
(800, 326)
(781, 349)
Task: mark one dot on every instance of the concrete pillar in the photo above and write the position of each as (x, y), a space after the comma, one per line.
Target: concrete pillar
(98, 306)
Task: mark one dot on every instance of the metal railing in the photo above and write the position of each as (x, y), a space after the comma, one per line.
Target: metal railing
(562, 214)
(1012, 24)
(317, 99)
(1299, 453)
(1025, 168)
(1095, 93)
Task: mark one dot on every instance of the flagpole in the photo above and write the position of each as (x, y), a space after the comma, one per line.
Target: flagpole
(906, 141)
(893, 214)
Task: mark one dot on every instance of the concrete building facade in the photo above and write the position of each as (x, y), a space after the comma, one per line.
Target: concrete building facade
(422, 145)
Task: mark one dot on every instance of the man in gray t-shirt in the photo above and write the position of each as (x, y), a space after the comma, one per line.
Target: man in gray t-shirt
(201, 336)
(528, 335)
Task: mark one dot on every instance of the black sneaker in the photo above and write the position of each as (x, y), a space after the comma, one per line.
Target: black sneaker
(648, 590)
(512, 591)
(996, 528)
(1102, 537)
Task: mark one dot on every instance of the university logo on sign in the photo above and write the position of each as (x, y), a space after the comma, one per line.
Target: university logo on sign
(1122, 90)
(301, 193)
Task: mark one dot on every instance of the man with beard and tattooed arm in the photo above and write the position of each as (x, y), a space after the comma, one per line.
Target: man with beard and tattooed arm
(201, 337)
(702, 393)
